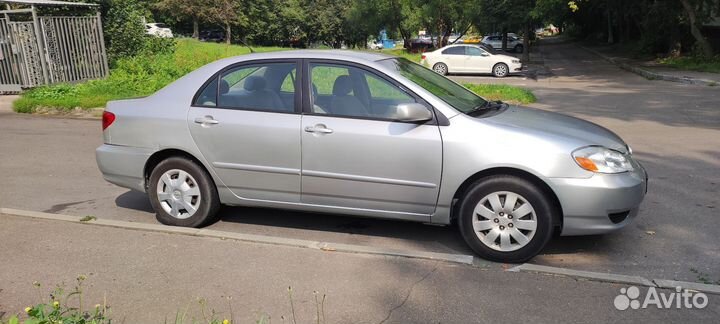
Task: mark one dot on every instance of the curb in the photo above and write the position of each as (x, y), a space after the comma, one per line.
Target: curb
(595, 276)
(618, 279)
(262, 239)
(648, 74)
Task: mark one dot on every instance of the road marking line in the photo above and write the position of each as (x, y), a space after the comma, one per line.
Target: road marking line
(252, 238)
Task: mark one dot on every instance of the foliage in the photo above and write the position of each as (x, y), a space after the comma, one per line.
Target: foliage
(124, 31)
(503, 92)
(693, 63)
(64, 307)
(131, 77)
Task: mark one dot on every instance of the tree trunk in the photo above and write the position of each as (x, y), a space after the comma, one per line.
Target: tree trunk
(504, 38)
(196, 29)
(228, 33)
(704, 45)
(610, 38)
(526, 44)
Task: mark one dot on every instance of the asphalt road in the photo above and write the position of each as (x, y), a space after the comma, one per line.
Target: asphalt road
(48, 165)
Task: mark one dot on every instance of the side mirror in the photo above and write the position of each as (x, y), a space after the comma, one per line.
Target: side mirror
(413, 112)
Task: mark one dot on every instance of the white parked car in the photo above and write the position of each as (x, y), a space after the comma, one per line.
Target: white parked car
(513, 43)
(375, 45)
(469, 58)
(158, 30)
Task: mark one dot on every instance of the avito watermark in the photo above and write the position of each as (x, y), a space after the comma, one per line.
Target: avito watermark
(678, 299)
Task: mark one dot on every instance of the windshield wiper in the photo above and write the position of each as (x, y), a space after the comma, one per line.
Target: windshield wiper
(488, 105)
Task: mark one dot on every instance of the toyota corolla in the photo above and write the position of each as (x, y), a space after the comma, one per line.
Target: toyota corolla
(366, 134)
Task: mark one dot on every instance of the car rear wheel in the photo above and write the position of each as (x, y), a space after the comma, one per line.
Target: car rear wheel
(518, 48)
(440, 68)
(182, 193)
(500, 70)
(505, 219)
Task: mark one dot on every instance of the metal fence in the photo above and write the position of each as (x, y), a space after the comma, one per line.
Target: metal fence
(50, 50)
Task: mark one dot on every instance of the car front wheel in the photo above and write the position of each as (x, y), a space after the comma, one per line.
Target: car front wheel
(182, 193)
(505, 219)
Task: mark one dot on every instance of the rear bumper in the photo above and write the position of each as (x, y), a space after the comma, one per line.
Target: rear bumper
(123, 165)
(602, 203)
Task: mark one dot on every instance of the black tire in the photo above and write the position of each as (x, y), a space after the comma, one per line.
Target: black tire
(519, 48)
(440, 68)
(497, 73)
(209, 205)
(539, 202)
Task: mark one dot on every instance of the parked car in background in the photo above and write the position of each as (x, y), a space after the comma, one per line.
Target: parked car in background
(375, 45)
(216, 36)
(513, 43)
(158, 30)
(468, 58)
(372, 135)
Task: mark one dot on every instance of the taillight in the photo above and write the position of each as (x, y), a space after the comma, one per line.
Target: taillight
(422, 57)
(107, 119)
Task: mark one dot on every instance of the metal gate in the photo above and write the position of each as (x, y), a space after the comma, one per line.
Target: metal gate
(50, 49)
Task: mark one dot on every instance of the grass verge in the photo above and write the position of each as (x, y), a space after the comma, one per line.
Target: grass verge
(504, 92)
(693, 63)
(143, 75)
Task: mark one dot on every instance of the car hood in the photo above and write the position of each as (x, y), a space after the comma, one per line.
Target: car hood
(505, 57)
(544, 123)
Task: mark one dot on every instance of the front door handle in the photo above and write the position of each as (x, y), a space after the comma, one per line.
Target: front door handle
(206, 121)
(319, 128)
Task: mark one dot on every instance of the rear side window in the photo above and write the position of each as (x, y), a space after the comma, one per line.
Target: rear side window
(457, 50)
(263, 87)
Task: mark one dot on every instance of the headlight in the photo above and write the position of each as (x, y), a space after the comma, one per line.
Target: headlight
(602, 160)
(516, 61)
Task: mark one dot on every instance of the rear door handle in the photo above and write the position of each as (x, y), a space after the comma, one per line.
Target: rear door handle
(320, 129)
(206, 121)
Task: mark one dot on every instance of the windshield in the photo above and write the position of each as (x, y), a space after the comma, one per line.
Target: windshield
(453, 94)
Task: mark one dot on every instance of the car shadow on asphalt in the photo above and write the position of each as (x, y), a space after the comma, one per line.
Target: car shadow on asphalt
(336, 228)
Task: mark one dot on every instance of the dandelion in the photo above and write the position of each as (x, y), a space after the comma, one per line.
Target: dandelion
(56, 304)
(98, 305)
(225, 321)
(28, 309)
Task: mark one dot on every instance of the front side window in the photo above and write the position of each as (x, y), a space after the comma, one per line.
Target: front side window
(347, 91)
(264, 87)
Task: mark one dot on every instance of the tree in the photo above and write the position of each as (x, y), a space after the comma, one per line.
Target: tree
(184, 10)
(124, 31)
(700, 40)
(226, 13)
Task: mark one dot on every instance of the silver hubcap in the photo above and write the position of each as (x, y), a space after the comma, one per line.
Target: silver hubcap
(178, 194)
(504, 221)
(440, 68)
(500, 70)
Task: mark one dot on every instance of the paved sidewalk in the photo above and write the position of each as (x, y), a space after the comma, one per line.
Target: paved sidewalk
(149, 276)
(653, 70)
(6, 103)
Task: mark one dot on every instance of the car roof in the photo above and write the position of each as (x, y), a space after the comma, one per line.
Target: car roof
(347, 55)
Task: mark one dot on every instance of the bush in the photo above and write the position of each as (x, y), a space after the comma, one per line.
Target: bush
(124, 31)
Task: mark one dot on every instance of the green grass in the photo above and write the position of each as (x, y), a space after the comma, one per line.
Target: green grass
(131, 77)
(693, 63)
(401, 52)
(503, 92)
(143, 75)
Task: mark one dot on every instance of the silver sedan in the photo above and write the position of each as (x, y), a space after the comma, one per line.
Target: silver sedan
(368, 135)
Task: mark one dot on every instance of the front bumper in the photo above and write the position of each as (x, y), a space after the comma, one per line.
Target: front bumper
(601, 203)
(123, 165)
(516, 67)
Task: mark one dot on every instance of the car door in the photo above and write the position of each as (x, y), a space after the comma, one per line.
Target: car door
(354, 155)
(455, 58)
(246, 131)
(480, 60)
